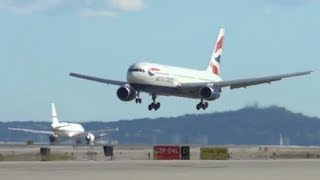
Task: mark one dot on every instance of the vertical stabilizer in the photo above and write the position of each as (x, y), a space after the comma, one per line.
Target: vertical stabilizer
(214, 65)
(281, 141)
(55, 120)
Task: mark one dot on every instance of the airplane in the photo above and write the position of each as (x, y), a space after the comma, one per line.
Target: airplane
(68, 130)
(164, 80)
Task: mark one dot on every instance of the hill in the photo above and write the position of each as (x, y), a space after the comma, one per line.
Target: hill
(250, 125)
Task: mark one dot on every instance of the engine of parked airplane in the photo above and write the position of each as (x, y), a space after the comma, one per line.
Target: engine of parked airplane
(90, 138)
(209, 93)
(126, 93)
(53, 139)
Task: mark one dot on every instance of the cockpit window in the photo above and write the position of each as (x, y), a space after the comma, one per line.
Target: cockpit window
(136, 70)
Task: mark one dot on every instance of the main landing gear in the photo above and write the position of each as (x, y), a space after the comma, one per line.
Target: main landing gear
(154, 105)
(202, 105)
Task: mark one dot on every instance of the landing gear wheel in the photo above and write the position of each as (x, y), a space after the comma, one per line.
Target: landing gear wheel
(202, 105)
(198, 106)
(154, 105)
(206, 104)
(139, 100)
(150, 107)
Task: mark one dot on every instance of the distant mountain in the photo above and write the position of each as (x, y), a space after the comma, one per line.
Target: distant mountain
(250, 125)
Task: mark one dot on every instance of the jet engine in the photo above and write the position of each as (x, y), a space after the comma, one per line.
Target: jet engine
(90, 138)
(53, 138)
(126, 93)
(209, 93)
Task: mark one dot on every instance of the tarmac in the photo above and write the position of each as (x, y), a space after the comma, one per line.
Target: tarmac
(16, 152)
(162, 170)
(131, 162)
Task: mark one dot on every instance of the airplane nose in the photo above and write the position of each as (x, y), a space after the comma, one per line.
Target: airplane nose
(132, 77)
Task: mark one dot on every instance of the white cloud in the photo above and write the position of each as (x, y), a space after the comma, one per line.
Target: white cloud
(291, 3)
(92, 12)
(111, 7)
(128, 5)
(28, 6)
(79, 7)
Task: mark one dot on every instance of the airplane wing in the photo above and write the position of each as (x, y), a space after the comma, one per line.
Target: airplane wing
(243, 83)
(100, 133)
(101, 80)
(32, 131)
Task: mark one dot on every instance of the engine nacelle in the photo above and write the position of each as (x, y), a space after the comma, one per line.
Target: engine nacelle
(209, 93)
(90, 138)
(53, 139)
(126, 93)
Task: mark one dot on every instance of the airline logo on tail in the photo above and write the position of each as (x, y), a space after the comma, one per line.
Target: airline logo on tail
(214, 69)
(214, 65)
(218, 48)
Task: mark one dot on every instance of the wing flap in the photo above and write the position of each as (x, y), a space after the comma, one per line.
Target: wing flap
(101, 80)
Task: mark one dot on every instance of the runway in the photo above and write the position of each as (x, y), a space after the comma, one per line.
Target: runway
(162, 170)
(14, 152)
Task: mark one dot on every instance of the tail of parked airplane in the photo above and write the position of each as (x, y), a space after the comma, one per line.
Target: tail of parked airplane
(214, 65)
(55, 120)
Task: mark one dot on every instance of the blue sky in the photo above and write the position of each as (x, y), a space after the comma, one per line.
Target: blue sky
(42, 41)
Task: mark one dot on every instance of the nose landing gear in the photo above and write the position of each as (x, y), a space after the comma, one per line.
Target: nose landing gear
(138, 99)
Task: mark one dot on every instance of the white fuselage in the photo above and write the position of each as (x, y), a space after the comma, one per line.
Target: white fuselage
(67, 129)
(165, 80)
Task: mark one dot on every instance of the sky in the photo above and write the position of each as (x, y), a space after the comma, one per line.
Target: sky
(41, 42)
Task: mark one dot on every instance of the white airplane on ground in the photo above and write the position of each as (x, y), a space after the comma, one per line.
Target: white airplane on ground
(68, 130)
(157, 80)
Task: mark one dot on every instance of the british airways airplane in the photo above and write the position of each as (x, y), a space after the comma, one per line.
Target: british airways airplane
(163, 80)
(67, 130)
